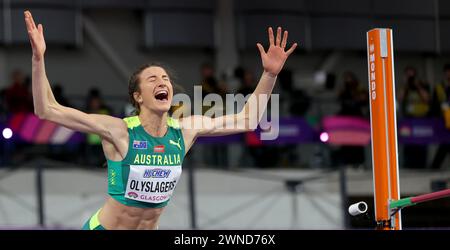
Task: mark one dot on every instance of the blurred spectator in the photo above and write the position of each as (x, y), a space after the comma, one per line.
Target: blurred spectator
(353, 98)
(209, 82)
(324, 95)
(178, 110)
(128, 110)
(5, 151)
(58, 92)
(298, 101)
(247, 84)
(95, 105)
(18, 94)
(3, 104)
(16, 98)
(354, 101)
(65, 151)
(210, 85)
(234, 79)
(414, 101)
(441, 108)
(414, 96)
(262, 155)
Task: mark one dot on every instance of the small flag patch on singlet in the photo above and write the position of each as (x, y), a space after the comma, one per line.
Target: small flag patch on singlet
(158, 149)
(139, 144)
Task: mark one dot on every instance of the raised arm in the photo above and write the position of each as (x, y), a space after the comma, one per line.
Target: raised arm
(273, 61)
(45, 105)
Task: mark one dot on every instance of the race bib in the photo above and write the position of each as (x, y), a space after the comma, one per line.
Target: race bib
(152, 184)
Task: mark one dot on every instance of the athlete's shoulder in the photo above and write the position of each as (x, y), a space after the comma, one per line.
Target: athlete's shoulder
(132, 121)
(174, 123)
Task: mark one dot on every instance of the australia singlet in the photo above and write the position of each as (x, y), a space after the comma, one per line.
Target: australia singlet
(150, 171)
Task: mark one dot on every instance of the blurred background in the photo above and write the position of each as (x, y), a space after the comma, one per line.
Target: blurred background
(52, 177)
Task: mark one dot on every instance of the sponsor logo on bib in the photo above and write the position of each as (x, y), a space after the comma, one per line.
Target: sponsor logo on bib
(156, 173)
(132, 194)
(152, 184)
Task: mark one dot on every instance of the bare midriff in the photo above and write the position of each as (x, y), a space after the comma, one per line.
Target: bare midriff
(116, 216)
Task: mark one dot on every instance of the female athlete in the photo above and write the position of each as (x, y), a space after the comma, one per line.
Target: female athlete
(145, 152)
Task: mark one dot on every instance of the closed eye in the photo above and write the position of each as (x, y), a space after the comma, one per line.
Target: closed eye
(153, 78)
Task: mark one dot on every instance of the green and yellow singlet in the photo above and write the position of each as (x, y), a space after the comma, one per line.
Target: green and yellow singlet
(150, 171)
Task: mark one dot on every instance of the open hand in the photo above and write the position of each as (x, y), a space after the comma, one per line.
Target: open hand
(275, 57)
(36, 35)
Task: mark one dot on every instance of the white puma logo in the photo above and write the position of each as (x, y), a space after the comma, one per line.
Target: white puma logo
(176, 143)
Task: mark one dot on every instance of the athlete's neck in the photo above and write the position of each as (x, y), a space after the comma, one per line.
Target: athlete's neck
(153, 123)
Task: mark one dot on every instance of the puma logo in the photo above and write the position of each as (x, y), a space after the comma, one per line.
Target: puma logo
(176, 143)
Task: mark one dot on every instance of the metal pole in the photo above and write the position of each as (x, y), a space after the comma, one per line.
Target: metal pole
(191, 187)
(40, 194)
(6, 152)
(437, 27)
(344, 197)
(227, 56)
(294, 210)
(7, 22)
(293, 186)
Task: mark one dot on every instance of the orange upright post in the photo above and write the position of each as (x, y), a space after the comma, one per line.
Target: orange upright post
(383, 127)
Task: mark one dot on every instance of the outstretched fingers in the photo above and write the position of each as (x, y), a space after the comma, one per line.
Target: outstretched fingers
(29, 21)
(271, 38)
(41, 29)
(284, 41)
(291, 49)
(32, 20)
(278, 36)
(279, 41)
(261, 49)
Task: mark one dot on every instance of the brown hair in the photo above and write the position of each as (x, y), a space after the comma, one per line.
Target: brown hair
(133, 83)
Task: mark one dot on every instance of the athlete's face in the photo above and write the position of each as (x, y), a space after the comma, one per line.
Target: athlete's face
(156, 90)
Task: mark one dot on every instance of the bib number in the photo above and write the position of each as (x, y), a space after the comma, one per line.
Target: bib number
(152, 184)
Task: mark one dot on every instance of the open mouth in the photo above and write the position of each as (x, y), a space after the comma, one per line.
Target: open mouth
(162, 95)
